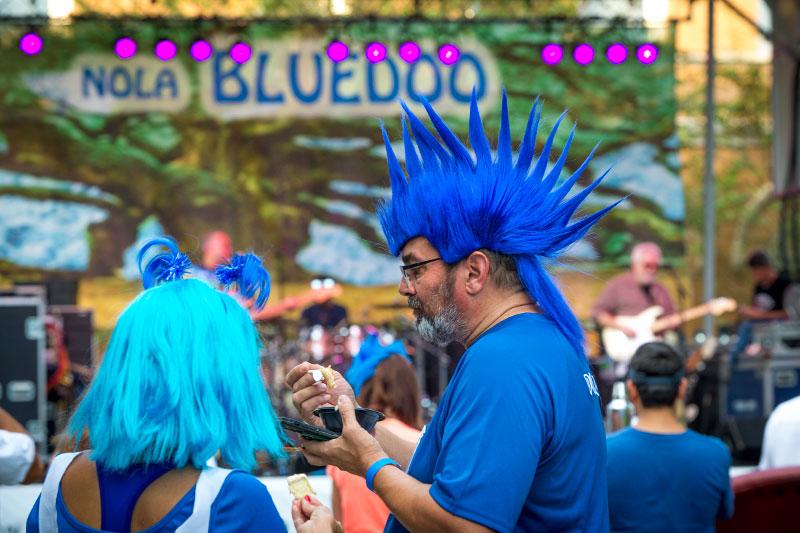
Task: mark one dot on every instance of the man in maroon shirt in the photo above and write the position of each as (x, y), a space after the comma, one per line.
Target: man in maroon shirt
(632, 292)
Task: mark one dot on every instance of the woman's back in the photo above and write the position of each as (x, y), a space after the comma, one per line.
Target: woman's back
(156, 498)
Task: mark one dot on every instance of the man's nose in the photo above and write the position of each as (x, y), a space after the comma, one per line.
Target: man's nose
(405, 288)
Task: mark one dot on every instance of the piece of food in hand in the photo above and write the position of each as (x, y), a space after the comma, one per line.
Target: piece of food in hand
(317, 374)
(329, 381)
(299, 486)
(323, 373)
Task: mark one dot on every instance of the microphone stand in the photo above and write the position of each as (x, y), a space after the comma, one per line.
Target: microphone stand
(682, 295)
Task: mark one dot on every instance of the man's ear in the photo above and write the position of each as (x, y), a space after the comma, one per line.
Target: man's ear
(682, 389)
(477, 267)
(633, 393)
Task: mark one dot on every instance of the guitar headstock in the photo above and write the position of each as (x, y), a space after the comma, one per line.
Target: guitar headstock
(720, 306)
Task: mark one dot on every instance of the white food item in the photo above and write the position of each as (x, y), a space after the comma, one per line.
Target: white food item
(299, 486)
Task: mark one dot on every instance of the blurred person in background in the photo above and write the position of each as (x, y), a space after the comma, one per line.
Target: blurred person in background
(781, 445)
(663, 477)
(159, 409)
(324, 311)
(217, 249)
(629, 294)
(383, 379)
(766, 304)
(19, 460)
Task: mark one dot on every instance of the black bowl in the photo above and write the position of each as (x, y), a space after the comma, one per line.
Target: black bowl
(332, 419)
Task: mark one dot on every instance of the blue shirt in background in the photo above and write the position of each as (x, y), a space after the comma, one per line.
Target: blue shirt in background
(517, 442)
(672, 482)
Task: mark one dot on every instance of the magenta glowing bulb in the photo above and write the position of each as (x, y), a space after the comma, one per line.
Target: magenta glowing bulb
(552, 54)
(165, 49)
(410, 51)
(201, 50)
(449, 54)
(30, 43)
(583, 54)
(647, 53)
(617, 53)
(375, 52)
(338, 51)
(125, 48)
(241, 52)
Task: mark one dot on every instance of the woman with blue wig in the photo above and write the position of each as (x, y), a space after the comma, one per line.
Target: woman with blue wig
(179, 383)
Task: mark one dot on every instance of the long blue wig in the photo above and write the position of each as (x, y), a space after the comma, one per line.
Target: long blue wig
(461, 204)
(181, 377)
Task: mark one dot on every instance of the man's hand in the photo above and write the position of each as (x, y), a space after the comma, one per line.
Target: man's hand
(354, 451)
(631, 333)
(749, 312)
(672, 322)
(307, 395)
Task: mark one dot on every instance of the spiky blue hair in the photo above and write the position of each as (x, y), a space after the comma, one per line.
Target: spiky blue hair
(461, 204)
(180, 379)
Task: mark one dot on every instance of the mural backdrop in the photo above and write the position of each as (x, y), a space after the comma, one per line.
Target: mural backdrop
(284, 152)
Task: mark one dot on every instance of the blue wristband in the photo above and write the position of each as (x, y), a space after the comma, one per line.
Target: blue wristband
(372, 471)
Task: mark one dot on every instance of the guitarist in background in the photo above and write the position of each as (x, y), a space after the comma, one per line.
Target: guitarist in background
(632, 292)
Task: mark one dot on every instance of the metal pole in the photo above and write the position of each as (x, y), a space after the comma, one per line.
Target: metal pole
(709, 241)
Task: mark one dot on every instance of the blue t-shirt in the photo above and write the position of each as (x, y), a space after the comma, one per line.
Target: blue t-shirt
(242, 505)
(667, 483)
(517, 443)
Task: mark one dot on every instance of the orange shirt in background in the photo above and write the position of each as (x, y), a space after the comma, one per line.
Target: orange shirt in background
(362, 510)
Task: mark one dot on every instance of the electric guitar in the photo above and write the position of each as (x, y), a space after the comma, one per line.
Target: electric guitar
(274, 310)
(648, 326)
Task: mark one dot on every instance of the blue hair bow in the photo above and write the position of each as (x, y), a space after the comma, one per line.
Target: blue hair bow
(167, 266)
(371, 354)
(248, 273)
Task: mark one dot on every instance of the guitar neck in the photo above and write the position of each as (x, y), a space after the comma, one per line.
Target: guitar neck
(664, 323)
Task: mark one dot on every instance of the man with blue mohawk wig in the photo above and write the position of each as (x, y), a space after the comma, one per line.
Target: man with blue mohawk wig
(517, 442)
(179, 382)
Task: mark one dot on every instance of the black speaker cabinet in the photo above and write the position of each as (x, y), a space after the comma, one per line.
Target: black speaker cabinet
(23, 381)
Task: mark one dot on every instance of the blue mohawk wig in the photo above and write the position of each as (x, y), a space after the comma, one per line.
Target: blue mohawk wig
(181, 377)
(461, 204)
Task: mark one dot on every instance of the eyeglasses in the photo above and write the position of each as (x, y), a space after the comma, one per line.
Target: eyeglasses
(405, 269)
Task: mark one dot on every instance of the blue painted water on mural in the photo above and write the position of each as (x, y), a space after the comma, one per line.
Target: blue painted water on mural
(582, 250)
(355, 188)
(18, 180)
(352, 211)
(339, 252)
(146, 230)
(635, 170)
(47, 234)
(332, 144)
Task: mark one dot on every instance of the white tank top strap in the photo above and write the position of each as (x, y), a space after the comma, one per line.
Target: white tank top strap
(206, 491)
(48, 522)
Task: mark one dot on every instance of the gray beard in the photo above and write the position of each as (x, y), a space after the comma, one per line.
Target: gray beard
(444, 327)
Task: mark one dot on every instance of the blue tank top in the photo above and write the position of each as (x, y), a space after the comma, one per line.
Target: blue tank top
(243, 504)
